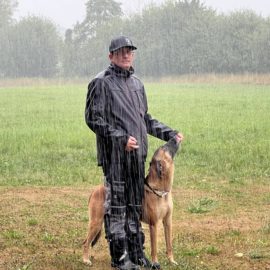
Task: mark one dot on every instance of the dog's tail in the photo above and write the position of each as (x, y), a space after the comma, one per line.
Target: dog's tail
(96, 239)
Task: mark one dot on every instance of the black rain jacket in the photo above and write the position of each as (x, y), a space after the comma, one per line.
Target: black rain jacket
(116, 108)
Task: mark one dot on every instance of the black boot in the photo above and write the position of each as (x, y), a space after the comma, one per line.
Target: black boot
(125, 264)
(120, 256)
(145, 263)
(136, 252)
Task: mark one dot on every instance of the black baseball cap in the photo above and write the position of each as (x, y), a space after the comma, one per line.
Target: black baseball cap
(120, 42)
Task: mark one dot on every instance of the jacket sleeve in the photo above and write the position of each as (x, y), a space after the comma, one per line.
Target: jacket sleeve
(95, 113)
(156, 128)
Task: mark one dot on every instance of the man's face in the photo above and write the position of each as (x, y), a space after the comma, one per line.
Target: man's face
(122, 58)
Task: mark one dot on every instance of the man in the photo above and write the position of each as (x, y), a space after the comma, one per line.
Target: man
(116, 110)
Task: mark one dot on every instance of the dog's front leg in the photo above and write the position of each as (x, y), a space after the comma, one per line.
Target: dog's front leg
(153, 238)
(167, 224)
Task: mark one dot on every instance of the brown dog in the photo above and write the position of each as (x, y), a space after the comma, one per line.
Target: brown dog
(157, 204)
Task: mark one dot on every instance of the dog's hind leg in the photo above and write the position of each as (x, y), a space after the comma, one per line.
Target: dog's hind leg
(93, 235)
(96, 216)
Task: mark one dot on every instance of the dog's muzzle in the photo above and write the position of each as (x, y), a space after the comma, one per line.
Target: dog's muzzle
(172, 146)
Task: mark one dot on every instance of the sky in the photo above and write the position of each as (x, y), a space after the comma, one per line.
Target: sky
(65, 13)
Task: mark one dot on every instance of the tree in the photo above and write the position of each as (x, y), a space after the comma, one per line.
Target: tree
(7, 8)
(241, 42)
(178, 39)
(35, 48)
(98, 13)
(83, 45)
(261, 48)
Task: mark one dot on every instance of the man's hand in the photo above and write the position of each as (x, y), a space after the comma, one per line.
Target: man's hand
(131, 144)
(179, 137)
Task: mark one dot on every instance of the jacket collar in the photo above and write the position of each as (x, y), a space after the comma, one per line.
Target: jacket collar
(120, 72)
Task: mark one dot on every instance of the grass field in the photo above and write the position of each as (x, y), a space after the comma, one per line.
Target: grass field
(222, 178)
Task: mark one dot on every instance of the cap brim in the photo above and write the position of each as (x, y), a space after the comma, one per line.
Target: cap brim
(132, 48)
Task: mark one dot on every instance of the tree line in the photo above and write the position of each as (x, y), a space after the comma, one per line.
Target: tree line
(177, 37)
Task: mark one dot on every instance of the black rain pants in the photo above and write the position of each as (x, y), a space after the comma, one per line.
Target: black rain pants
(123, 208)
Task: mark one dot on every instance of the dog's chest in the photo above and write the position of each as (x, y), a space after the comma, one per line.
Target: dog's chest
(156, 208)
(164, 206)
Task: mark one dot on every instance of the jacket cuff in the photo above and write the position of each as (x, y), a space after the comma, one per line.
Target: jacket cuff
(122, 141)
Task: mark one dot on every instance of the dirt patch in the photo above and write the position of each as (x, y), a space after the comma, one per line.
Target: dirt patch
(43, 228)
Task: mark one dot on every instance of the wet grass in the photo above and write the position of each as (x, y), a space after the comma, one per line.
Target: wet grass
(221, 188)
(45, 141)
(43, 137)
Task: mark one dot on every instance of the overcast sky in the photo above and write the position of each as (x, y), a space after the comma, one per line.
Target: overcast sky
(65, 13)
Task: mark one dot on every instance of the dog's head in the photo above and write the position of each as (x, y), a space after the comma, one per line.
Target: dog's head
(162, 160)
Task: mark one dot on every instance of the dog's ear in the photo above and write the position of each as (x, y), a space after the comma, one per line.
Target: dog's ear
(159, 168)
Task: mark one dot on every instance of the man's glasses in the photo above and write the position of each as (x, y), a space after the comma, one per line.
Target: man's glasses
(123, 52)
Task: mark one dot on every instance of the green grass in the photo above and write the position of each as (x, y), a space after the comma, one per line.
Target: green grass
(12, 235)
(43, 138)
(203, 205)
(221, 186)
(45, 141)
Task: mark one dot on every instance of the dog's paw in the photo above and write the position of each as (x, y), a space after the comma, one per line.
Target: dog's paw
(87, 262)
(172, 261)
